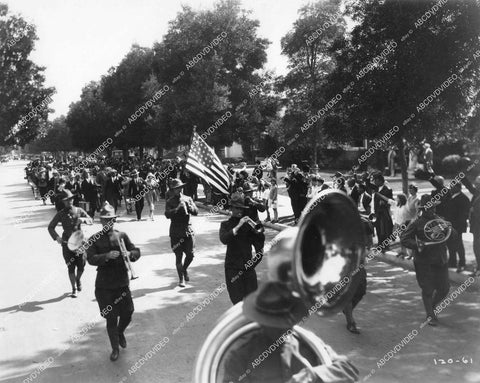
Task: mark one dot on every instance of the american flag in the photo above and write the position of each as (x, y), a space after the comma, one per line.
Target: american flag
(203, 162)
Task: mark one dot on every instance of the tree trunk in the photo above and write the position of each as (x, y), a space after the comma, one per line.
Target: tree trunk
(403, 166)
(125, 154)
(140, 152)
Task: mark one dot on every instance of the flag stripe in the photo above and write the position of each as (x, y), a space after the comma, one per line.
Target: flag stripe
(209, 180)
(203, 162)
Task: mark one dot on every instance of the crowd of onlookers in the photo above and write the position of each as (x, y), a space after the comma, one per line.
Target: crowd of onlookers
(120, 181)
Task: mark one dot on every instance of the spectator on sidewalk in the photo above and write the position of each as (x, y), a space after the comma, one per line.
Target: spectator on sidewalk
(273, 199)
(412, 202)
(428, 157)
(458, 210)
(381, 207)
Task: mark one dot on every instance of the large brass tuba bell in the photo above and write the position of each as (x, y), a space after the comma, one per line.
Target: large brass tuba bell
(316, 260)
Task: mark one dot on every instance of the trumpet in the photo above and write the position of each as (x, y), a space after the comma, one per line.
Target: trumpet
(126, 259)
(258, 228)
(372, 217)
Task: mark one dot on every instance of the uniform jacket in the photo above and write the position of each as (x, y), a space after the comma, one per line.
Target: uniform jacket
(433, 254)
(70, 220)
(111, 273)
(239, 247)
(180, 221)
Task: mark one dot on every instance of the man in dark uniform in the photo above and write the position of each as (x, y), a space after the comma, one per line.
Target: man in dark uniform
(430, 261)
(253, 207)
(178, 208)
(276, 310)
(70, 218)
(239, 236)
(474, 218)
(111, 286)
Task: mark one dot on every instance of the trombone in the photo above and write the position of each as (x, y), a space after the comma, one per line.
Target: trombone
(372, 217)
(126, 259)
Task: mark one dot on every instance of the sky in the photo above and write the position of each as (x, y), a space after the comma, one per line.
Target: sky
(79, 40)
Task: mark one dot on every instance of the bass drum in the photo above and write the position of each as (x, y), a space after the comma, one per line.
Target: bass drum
(230, 327)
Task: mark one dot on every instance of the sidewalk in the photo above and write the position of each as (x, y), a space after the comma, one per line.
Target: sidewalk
(390, 256)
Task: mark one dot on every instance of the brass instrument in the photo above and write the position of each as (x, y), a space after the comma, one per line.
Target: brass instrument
(437, 231)
(372, 217)
(316, 260)
(126, 259)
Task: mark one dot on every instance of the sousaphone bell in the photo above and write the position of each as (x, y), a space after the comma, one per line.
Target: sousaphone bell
(316, 260)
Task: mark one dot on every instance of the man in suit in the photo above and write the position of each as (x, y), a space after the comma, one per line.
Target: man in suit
(381, 207)
(113, 189)
(88, 188)
(135, 188)
(365, 209)
(458, 210)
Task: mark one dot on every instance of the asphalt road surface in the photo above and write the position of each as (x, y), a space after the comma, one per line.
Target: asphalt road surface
(46, 336)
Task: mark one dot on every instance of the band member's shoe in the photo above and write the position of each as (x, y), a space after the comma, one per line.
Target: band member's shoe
(432, 321)
(352, 327)
(74, 293)
(121, 340)
(181, 282)
(185, 275)
(114, 355)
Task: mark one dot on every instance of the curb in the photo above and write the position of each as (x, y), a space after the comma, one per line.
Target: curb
(454, 277)
(389, 257)
(204, 206)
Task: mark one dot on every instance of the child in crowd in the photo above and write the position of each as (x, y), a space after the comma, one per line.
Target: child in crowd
(272, 199)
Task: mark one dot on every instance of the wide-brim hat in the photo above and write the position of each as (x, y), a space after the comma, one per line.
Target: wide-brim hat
(176, 183)
(134, 172)
(67, 194)
(273, 305)
(337, 175)
(107, 211)
(150, 175)
(126, 173)
(237, 200)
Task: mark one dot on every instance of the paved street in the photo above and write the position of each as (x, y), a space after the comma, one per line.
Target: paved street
(38, 320)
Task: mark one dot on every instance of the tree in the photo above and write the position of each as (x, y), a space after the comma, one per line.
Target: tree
(89, 119)
(307, 47)
(211, 62)
(124, 94)
(408, 67)
(23, 97)
(56, 139)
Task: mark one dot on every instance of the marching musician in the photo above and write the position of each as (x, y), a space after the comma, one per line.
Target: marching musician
(431, 261)
(253, 207)
(70, 218)
(239, 234)
(178, 209)
(276, 310)
(112, 283)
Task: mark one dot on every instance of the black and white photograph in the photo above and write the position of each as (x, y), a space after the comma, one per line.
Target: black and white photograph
(226, 191)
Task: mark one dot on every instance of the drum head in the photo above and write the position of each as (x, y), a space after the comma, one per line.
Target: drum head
(76, 240)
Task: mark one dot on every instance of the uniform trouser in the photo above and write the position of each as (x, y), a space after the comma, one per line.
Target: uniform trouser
(116, 306)
(455, 245)
(240, 283)
(476, 247)
(139, 207)
(434, 282)
(182, 245)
